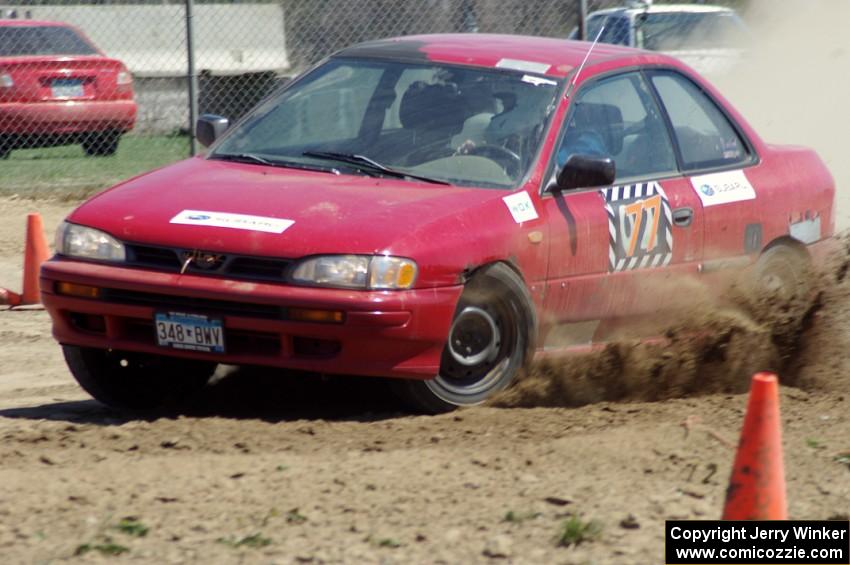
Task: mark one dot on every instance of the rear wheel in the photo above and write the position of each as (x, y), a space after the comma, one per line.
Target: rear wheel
(489, 342)
(781, 277)
(101, 144)
(136, 381)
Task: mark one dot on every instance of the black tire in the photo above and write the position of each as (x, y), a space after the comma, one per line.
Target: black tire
(101, 144)
(781, 276)
(477, 361)
(5, 148)
(136, 381)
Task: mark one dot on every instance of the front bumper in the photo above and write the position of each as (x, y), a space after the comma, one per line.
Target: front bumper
(54, 118)
(384, 333)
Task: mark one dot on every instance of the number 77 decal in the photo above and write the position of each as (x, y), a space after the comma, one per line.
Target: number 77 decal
(639, 225)
(652, 207)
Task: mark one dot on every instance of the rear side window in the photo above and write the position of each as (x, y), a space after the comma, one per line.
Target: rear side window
(17, 41)
(705, 135)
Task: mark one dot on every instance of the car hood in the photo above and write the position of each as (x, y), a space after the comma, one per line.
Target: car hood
(330, 213)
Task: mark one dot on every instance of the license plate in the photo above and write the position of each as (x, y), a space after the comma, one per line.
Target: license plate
(189, 331)
(66, 88)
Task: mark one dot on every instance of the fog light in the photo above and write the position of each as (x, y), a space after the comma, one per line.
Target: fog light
(79, 290)
(320, 316)
(89, 322)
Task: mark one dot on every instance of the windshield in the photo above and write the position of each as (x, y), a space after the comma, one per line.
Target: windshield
(16, 41)
(462, 125)
(671, 31)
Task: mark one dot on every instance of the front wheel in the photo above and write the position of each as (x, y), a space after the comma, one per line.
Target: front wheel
(489, 341)
(135, 381)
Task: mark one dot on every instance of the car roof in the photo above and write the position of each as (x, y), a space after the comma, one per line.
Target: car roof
(541, 55)
(29, 23)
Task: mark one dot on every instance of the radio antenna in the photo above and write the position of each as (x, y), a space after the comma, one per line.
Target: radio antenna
(583, 63)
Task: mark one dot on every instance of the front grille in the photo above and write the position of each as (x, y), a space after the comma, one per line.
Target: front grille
(153, 257)
(225, 265)
(191, 304)
(257, 268)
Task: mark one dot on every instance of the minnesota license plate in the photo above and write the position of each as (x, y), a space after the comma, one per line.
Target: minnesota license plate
(66, 88)
(194, 332)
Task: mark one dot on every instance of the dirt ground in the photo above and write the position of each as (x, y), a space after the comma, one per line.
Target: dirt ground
(273, 468)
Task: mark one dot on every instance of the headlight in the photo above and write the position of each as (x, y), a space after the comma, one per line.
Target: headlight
(88, 243)
(356, 271)
(391, 272)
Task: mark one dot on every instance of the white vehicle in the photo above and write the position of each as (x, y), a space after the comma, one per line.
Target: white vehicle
(711, 39)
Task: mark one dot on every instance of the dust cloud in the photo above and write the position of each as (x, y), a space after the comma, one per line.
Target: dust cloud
(793, 83)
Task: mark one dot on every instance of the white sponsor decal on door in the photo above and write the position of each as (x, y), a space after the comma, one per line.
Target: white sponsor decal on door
(723, 188)
(233, 221)
(521, 207)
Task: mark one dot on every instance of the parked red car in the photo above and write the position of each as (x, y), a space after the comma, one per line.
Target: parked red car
(429, 209)
(57, 88)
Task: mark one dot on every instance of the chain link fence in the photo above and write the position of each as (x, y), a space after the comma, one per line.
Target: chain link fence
(92, 92)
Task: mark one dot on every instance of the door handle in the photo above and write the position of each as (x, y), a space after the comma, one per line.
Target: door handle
(682, 217)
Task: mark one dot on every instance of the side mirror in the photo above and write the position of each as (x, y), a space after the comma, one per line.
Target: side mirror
(210, 127)
(586, 171)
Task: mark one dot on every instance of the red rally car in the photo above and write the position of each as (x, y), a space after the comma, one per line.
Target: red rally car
(429, 209)
(57, 88)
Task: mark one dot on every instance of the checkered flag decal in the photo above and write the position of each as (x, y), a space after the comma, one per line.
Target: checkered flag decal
(639, 222)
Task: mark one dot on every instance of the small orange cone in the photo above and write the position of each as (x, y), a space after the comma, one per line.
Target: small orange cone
(35, 254)
(757, 485)
(9, 297)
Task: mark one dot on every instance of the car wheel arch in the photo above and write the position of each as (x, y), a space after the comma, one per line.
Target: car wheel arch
(471, 270)
(510, 263)
(790, 242)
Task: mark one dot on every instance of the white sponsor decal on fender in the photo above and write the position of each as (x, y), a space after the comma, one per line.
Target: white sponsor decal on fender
(521, 207)
(233, 221)
(723, 188)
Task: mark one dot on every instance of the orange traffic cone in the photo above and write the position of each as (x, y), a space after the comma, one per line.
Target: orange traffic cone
(757, 485)
(9, 297)
(35, 254)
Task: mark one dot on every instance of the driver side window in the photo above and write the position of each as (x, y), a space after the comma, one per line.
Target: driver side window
(617, 117)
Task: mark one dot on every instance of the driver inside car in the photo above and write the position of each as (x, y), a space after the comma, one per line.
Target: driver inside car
(433, 114)
(594, 129)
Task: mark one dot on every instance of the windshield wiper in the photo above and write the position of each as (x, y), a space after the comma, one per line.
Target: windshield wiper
(363, 162)
(257, 159)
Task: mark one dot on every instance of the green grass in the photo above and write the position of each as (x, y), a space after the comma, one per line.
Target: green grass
(254, 541)
(389, 542)
(67, 173)
(295, 517)
(576, 531)
(106, 548)
(520, 517)
(132, 527)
